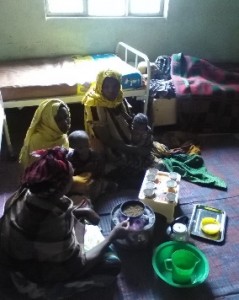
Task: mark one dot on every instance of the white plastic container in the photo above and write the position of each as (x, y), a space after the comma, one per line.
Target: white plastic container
(157, 199)
(164, 112)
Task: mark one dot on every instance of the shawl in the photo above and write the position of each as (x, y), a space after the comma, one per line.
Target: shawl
(27, 220)
(192, 168)
(48, 134)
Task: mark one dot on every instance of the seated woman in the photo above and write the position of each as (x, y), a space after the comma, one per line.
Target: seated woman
(48, 129)
(108, 122)
(70, 250)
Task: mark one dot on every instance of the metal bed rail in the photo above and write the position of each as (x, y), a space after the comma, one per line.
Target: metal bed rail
(125, 51)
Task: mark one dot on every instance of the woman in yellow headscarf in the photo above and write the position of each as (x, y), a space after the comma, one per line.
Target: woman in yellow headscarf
(108, 122)
(107, 114)
(48, 129)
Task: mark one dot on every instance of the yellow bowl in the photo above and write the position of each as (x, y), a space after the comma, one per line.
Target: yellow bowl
(210, 225)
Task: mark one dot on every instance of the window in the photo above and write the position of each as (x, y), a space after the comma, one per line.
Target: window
(104, 8)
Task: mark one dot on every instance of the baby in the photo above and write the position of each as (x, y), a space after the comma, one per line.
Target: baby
(141, 133)
(142, 136)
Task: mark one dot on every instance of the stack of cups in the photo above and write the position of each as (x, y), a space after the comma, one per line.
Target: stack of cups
(149, 188)
(172, 186)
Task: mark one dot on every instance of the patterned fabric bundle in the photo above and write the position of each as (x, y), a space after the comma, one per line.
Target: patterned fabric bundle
(163, 63)
(193, 77)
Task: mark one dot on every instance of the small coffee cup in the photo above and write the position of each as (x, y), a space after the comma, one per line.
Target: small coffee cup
(171, 185)
(173, 176)
(182, 264)
(152, 171)
(150, 185)
(170, 197)
(149, 193)
(151, 177)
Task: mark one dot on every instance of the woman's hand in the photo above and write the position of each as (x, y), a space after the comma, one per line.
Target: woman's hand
(87, 213)
(120, 231)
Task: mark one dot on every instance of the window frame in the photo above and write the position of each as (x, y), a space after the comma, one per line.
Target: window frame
(85, 14)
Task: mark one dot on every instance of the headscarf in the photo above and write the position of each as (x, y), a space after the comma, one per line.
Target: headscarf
(49, 173)
(44, 124)
(94, 96)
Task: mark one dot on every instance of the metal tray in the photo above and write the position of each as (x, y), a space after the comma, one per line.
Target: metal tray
(201, 211)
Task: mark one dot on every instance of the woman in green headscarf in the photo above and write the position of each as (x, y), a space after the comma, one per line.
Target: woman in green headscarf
(48, 129)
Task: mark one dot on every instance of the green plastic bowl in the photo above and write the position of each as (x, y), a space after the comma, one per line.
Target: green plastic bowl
(165, 250)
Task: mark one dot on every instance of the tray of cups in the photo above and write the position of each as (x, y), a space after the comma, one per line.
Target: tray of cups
(208, 223)
(160, 186)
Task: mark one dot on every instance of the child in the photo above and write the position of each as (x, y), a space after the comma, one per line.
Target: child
(142, 136)
(89, 167)
(141, 133)
(82, 157)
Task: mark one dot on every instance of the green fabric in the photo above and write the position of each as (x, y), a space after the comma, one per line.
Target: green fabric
(192, 168)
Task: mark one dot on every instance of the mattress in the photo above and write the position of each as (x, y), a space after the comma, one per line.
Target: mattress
(131, 77)
(68, 75)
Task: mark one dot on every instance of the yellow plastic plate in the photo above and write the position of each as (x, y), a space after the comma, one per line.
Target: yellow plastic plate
(210, 225)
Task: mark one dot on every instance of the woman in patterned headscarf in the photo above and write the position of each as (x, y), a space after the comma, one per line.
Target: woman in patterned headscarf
(48, 129)
(44, 237)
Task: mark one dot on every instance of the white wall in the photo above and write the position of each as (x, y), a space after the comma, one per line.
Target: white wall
(205, 28)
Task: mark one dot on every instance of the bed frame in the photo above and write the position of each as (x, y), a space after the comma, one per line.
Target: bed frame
(127, 53)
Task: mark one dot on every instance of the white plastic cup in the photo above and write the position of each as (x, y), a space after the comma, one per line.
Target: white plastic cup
(151, 177)
(173, 176)
(149, 193)
(171, 185)
(152, 171)
(171, 197)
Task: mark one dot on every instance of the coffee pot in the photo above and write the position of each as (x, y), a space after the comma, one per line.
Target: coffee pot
(178, 230)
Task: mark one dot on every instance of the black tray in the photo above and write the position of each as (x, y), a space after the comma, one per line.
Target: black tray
(201, 211)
